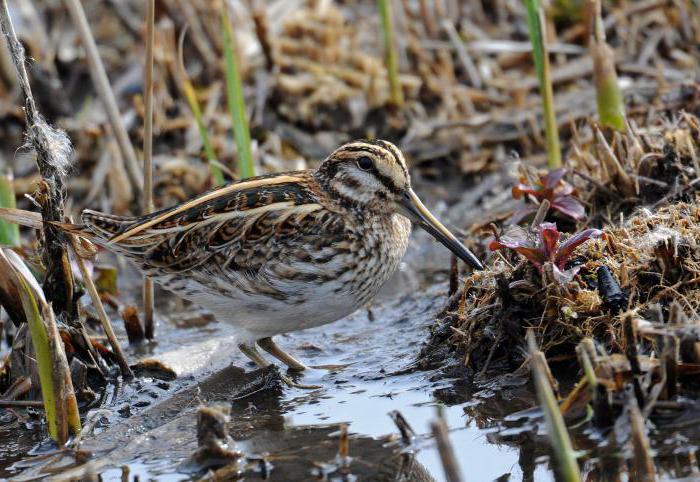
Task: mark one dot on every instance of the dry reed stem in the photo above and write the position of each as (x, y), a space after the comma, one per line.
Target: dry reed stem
(147, 206)
(463, 54)
(53, 152)
(642, 469)
(446, 451)
(104, 89)
(101, 314)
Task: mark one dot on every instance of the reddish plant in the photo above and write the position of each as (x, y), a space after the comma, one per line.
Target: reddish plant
(544, 246)
(553, 188)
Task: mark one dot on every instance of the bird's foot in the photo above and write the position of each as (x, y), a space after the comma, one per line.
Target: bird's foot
(292, 384)
(332, 368)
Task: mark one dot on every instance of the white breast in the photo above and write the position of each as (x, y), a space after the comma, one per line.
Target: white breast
(258, 313)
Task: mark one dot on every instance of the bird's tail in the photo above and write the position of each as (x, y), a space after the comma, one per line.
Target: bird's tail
(96, 226)
(106, 226)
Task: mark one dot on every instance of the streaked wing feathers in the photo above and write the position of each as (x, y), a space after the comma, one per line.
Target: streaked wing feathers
(229, 222)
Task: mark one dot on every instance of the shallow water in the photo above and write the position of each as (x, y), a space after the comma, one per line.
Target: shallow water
(379, 350)
(147, 429)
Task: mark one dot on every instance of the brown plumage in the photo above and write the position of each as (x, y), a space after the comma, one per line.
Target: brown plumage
(278, 253)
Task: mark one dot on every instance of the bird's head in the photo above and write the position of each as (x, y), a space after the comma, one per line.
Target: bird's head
(371, 176)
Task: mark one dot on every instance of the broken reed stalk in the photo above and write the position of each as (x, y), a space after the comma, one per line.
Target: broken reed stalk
(642, 462)
(602, 415)
(53, 151)
(147, 206)
(236, 102)
(344, 450)
(391, 58)
(9, 232)
(447, 454)
(540, 55)
(60, 405)
(101, 314)
(556, 429)
(540, 215)
(462, 54)
(104, 89)
(670, 365)
(629, 332)
(191, 97)
(611, 107)
(454, 276)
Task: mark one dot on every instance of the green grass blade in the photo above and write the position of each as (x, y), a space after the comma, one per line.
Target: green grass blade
(191, 97)
(40, 340)
(541, 58)
(390, 56)
(9, 232)
(556, 428)
(236, 103)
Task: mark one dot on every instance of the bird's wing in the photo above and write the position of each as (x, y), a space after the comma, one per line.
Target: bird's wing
(234, 224)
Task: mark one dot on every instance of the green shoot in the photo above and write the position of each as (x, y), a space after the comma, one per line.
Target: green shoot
(236, 103)
(556, 429)
(540, 54)
(191, 96)
(60, 405)
(611, 107)
(390, 56)
(9, 232)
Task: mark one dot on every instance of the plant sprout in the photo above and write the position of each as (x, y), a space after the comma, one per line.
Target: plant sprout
(545, 246)
(554, 189)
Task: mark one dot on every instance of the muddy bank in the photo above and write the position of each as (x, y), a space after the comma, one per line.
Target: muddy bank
(150, 425)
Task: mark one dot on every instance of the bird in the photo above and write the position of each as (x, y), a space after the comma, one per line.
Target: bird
(283, 252)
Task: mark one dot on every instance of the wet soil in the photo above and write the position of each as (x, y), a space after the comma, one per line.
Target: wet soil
(146, 430)
(149, 425)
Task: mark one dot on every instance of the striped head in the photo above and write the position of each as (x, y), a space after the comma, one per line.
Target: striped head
(365, 175)
(372, 177)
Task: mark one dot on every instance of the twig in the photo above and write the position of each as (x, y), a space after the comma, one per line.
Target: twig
(541, 213)
(99, 77)
(454, 276)
(53, 151)
(101, 314)
(447, 454)
(462, 53)
(642, 462)
(407, 433)
(21, 403)
(147, 206)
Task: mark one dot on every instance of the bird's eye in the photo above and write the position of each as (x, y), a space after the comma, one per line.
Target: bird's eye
(365, 163)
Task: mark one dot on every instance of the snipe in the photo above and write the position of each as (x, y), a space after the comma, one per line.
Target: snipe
(284, 252)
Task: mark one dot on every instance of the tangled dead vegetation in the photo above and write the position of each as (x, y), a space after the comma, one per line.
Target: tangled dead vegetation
(645, 265)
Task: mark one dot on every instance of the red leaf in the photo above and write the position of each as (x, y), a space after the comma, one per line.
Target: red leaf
(522, 213)
(520, 189)
(552, 178)
(567, 248)
(523, 247)
(549, 239)
(569, 206)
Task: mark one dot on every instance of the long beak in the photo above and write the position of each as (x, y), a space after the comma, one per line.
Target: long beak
(412, 207)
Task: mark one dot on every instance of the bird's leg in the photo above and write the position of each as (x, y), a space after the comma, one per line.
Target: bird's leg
(271, 347)
(252, 352)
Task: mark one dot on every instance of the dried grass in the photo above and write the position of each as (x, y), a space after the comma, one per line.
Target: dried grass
(653, 254)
